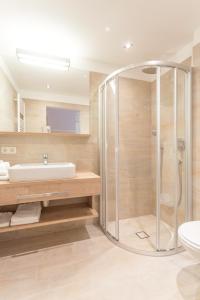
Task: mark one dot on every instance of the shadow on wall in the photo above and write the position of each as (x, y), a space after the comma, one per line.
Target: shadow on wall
(188, 282)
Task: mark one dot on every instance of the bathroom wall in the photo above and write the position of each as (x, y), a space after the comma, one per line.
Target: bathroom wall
(135, 148)
(7, 104)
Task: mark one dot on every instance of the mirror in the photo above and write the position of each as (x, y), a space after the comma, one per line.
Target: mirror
(44, 100)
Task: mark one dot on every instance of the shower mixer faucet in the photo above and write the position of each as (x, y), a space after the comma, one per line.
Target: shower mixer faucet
(45, 158)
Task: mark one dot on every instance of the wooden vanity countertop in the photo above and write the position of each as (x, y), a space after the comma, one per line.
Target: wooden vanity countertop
(79, 177)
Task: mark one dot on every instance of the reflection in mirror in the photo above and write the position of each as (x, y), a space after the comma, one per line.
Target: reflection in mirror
(8, 103)
(40, 99)
(49, 116)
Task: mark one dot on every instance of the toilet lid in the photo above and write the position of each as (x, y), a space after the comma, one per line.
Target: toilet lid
(190, 231)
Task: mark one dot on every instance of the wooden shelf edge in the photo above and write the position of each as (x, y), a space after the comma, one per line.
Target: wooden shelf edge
(9, 133)
(66, 219)
(80, 176)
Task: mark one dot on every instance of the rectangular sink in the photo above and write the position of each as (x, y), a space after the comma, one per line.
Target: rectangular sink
(28, 172)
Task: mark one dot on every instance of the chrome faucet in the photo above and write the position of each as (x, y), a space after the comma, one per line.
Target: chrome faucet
(45, 158)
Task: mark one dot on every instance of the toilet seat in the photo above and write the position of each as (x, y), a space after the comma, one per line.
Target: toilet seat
(190, 233)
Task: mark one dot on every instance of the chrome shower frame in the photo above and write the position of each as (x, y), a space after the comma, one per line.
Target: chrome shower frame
(188, 153)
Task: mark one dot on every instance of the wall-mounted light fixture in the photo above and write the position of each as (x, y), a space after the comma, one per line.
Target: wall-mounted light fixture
(42, 60)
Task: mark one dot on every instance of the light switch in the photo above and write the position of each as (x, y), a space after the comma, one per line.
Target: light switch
(8, 150)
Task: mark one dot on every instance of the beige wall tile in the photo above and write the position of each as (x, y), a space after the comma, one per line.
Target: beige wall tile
(135, 151)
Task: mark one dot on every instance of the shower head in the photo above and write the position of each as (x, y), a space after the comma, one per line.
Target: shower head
(149, 70)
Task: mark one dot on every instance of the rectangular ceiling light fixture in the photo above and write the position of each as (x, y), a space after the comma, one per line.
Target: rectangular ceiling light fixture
(42, 60)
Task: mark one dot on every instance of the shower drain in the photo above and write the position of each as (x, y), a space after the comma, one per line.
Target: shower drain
(142, 235)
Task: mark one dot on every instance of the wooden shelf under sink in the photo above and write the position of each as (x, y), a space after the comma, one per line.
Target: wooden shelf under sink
(57, 215)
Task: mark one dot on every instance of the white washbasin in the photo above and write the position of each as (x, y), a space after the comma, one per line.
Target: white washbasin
(28, 172)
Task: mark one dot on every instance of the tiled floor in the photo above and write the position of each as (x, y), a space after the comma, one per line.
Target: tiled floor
(96, 269)
(147, 223)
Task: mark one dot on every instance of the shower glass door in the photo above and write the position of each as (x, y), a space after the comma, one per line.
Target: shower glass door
(171, 157)
(109, 132)
(145, 159)
(167, 177)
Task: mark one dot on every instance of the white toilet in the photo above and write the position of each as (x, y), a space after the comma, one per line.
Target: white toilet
(189, 236)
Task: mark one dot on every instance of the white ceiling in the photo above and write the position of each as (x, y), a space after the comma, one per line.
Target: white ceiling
(76, 29)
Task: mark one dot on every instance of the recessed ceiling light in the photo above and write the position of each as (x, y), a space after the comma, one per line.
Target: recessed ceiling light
(107, 29)
(128, 45)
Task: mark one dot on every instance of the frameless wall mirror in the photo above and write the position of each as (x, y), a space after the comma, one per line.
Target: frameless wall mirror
(39, 99)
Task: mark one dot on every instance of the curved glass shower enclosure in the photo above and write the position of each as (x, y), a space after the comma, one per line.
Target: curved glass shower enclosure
(145, 156)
